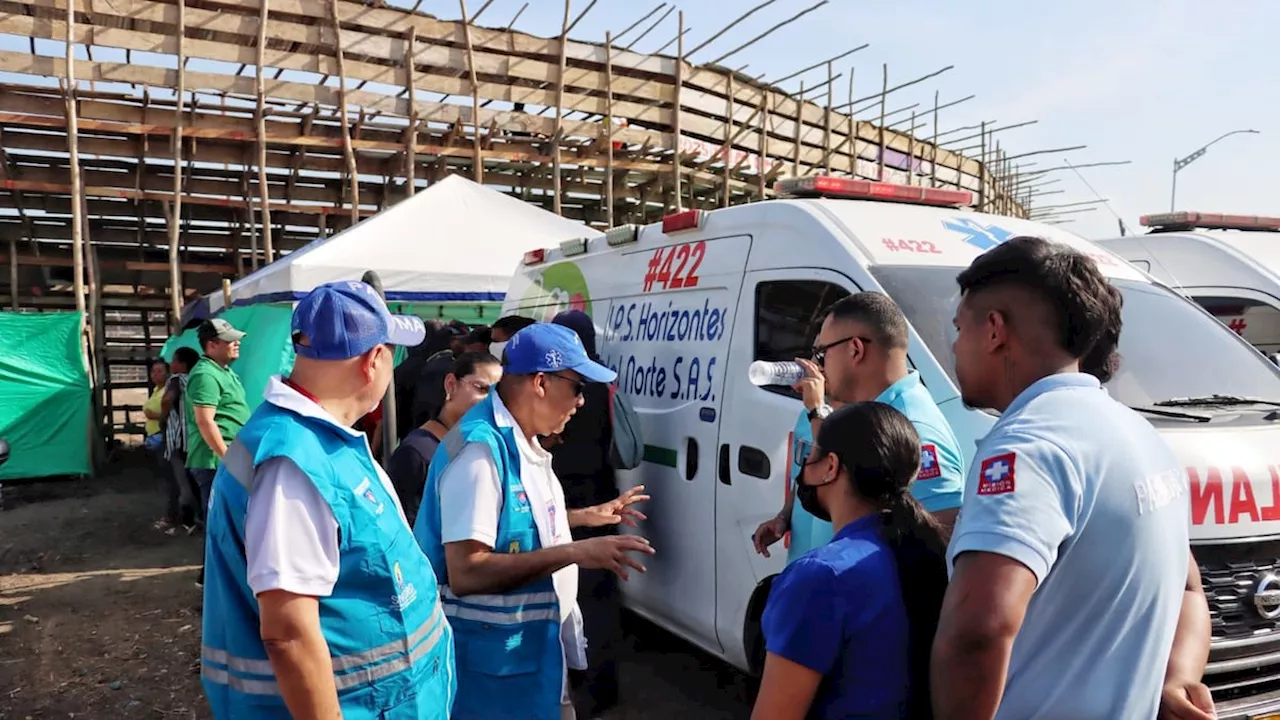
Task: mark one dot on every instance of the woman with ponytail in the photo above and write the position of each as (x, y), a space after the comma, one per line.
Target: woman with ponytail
(848, 627)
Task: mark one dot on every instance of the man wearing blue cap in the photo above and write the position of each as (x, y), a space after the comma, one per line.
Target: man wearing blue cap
(318, 603)
(494, 524)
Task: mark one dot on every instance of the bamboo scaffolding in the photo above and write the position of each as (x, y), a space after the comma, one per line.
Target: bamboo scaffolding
(608, 127)
(411, 132)
(676, 131)
(73, 150)
(557, 200)
(884, 95)
(477, 161)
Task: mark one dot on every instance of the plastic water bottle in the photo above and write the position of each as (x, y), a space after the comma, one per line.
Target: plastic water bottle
(763, 372)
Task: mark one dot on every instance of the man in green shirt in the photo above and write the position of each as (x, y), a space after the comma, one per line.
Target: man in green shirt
(214, 404)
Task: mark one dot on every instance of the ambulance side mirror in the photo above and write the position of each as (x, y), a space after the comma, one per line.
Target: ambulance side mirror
(1274, 357)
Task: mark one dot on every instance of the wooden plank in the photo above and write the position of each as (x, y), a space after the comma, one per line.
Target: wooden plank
(353, 179)
(48, 261)
(107, 191)
(608, 128)
(677, 129)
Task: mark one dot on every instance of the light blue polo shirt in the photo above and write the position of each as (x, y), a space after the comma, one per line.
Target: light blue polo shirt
(1087, 495)
(940, 484)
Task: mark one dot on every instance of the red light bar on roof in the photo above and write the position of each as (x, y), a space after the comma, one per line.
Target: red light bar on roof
(1209, 221)
(683, 220)
(535, 257)
(855, 189)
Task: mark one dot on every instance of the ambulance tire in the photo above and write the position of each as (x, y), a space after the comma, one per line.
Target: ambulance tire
(753, 636)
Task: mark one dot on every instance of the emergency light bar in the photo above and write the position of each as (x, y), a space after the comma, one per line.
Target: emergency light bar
(622, 235)
(1164, 222)
(576, 246)
(683, 220)
(854, 189)
(535, 257)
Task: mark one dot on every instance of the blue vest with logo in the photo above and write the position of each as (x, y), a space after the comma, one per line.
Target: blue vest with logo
(510, 660)
(391, 645)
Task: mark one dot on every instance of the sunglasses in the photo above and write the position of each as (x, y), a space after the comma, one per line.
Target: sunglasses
(578, 385)
(820, 352)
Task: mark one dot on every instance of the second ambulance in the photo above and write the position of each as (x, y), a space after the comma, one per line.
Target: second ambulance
(684, 306)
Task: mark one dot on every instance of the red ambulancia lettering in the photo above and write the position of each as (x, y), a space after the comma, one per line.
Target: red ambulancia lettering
(1211, 494)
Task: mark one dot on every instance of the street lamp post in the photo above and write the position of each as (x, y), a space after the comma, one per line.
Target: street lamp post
(1178, 164)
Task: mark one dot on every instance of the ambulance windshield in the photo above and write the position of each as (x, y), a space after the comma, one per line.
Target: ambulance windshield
(1169, 348)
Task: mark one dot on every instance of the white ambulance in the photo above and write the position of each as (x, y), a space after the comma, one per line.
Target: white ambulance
(683, 307)
(1230, 264)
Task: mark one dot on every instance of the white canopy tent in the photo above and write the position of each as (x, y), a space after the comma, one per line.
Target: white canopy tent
(456, 241)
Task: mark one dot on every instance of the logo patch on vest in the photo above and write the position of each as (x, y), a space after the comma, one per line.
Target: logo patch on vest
(365, 490)
(995, 475)
(406, 593)
(522, 501)
(929, 463)
(514, 547)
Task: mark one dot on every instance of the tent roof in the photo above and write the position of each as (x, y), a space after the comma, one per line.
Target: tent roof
(456, 241)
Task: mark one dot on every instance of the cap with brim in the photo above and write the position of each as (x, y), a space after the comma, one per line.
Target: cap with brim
(218, 329)
(548, 348)
(342, 320)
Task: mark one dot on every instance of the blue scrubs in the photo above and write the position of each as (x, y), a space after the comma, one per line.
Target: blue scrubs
(839, 611)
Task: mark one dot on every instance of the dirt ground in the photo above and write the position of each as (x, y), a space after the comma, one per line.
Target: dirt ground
(100, 615)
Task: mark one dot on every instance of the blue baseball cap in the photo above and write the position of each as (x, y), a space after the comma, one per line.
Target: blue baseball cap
(342, 320)
(549, 348)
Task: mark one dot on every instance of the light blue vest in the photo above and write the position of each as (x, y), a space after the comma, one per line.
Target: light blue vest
(510, 661)
(391, 646)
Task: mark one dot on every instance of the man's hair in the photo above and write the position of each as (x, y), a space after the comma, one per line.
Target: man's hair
(512, 324)
(187, 356)
(879, 313)
(1085, 306)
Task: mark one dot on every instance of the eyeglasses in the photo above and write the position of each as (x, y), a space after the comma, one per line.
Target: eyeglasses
(820, 352)
(578, 385)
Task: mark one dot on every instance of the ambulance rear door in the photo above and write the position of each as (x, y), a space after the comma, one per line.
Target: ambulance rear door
(672, 301)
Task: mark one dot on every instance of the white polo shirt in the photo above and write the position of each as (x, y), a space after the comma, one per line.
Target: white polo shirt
(471, 502)
(290, 533)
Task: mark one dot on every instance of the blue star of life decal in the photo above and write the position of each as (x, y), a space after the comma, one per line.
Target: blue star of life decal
(983, 237)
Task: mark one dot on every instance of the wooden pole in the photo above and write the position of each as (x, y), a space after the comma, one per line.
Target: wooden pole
(677, 112)
(411, 134)
(13, 274)
(982, 168)
(764, 144)
(608, 128)
(353, 176)
(73, 149)
(555, 158)
(175, 214)
(795, 154)
(911, 151)
(884, 95)
(264, 193)
(826, 120)
(852, 138)
(477, 159)
(727, 154)
(933, 154)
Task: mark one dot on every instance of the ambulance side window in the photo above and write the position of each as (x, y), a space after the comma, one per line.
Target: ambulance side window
(789, 315)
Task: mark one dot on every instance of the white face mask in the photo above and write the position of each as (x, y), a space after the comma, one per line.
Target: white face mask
(496, 349)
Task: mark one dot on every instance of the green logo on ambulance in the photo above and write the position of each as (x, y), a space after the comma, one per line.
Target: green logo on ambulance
(560, 287)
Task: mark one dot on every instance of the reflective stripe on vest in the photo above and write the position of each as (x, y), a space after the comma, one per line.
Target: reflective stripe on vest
(507, 609)
(409, 650)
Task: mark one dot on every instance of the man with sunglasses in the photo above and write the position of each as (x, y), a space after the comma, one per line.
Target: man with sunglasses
(494, 524)
(859, 355)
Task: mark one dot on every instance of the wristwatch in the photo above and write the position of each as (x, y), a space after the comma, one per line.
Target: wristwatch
(820, 413)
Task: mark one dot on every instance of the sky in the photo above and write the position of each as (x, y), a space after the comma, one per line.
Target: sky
(1138, 80)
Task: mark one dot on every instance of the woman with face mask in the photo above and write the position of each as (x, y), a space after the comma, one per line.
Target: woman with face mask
(848, 627)
(468, 382)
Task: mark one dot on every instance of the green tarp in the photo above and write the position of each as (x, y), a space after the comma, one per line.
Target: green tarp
(45, 399)
(266, 349)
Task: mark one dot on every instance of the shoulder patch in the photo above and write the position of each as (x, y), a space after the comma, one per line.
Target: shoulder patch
(996, 474)
(929, 469)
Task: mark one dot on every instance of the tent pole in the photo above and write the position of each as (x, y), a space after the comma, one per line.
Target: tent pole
(389, 440)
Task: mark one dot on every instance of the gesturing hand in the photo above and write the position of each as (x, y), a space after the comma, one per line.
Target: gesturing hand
(611, 553)
(769, 532)
(617, 511)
